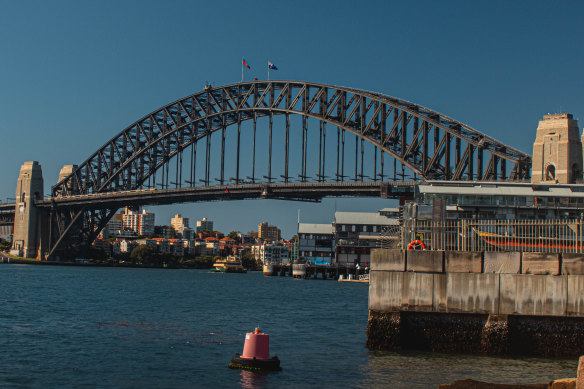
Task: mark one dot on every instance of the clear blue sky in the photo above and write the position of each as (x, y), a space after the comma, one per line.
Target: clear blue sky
(73, 74)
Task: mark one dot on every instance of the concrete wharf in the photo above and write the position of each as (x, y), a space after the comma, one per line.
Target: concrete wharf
(477, 302)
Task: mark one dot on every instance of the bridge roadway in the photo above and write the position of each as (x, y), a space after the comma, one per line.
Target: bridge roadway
(294, 191)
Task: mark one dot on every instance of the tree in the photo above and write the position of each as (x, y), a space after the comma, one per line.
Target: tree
(234, 235)
(4, 245)
(143, 254)
(249, 262)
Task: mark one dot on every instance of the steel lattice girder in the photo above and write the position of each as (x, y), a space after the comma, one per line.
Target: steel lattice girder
(425, 141)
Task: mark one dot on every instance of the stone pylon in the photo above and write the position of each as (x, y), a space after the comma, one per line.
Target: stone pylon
(27, 218)
(557, 150)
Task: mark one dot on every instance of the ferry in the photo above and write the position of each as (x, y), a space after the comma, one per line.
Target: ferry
(228, 265)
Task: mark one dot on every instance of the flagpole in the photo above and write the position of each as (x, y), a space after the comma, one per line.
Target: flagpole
(268, 72)
(241, 69)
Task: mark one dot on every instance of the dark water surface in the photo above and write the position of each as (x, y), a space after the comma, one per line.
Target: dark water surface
(75, 327)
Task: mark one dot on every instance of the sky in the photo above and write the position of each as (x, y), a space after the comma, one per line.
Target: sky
(74, 74)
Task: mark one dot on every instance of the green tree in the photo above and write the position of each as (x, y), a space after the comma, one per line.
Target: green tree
(4, 245)
(249, 262)
(234, 235)
(143, 254)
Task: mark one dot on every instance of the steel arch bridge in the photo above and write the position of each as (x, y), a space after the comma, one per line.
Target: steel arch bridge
(150, 152)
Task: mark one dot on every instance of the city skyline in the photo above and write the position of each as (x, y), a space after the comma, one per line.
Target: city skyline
(75, 74)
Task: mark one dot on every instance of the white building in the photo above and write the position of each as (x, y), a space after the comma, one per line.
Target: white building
(126, 246)
(316, 243)
(356, 233)
(268, 253)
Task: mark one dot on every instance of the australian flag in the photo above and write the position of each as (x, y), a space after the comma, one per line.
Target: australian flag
(272, 66)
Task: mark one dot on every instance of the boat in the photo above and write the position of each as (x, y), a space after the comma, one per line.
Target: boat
(539, 242)
(228, 265)
(268, 269)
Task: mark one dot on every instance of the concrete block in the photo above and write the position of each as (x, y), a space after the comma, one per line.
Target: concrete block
(572, 264)
(470, 293)
(502, 262)
(528, 294)
(575, 295)
(425, 261)
(440, 296)
(463, 262)
(385, 291)
(564, 383)
(580, 374)
(386, 259)
(417, 292)
(540, 263)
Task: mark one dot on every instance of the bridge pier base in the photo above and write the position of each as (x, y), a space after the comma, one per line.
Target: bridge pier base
(28, 220)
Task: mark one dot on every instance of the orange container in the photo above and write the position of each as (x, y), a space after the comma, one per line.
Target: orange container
(257, 345)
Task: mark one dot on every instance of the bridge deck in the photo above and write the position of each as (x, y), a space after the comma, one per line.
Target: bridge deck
(294, 191)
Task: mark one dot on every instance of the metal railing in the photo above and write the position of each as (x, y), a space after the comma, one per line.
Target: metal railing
(548, 236)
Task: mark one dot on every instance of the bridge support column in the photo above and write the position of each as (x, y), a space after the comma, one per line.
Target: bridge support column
(27, 218)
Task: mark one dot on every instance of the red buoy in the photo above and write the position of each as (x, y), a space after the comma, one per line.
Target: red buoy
(256, 353)
(257, 345)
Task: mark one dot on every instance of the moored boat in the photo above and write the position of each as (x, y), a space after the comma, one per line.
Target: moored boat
(268, 269)
(228, 265)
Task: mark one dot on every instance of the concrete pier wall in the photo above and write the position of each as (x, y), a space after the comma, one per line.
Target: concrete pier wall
(501, 291)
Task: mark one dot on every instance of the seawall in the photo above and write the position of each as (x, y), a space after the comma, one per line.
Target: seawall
(492, 303)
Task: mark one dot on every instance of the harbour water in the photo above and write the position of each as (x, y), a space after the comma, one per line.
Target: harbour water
(72, 327)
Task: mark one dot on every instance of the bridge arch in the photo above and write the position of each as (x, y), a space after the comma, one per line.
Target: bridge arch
(431, 145)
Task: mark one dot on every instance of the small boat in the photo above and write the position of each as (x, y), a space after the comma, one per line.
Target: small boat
(541, 242)
(228, 265)
(268, 269)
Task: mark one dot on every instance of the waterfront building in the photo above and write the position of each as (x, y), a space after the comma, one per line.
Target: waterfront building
(268, 232)
(204, 225)
(438, 200)
(271, 253)
(356, 233)
(316, 243)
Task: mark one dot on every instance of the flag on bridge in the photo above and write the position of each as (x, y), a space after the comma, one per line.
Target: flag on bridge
(243, 63)
(271, 66)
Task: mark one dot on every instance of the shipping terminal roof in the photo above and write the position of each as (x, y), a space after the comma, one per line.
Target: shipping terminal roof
(311, 228)
(371, 218)
(503, 189)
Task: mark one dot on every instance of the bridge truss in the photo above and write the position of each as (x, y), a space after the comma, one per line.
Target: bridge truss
(219, 136)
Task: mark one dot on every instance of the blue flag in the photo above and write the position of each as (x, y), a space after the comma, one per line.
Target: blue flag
(272, 66)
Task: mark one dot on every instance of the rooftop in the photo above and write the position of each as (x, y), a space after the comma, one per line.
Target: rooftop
(372, 218)
(502, 189)
(312, 228)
